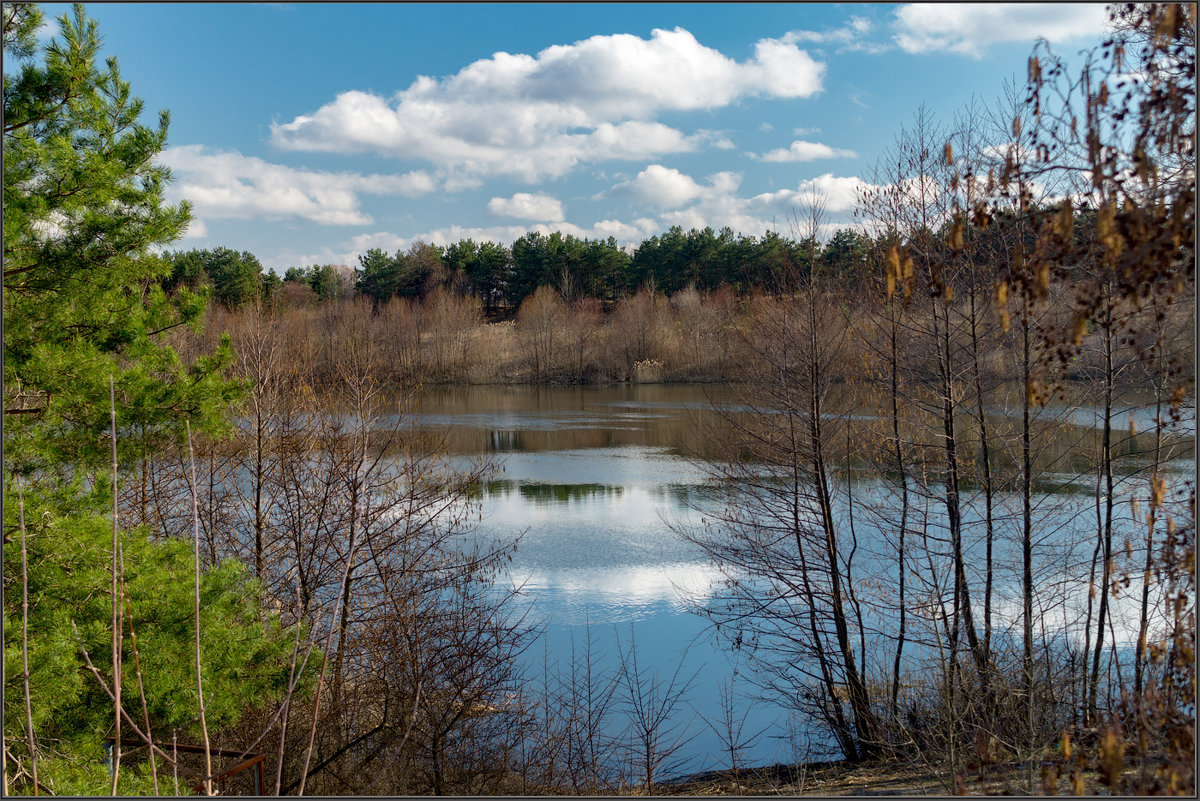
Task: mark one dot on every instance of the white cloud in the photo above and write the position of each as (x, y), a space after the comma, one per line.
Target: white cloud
(47, 30)
(635, 231)
(536, 116)
(524, 206)
(685, 202)
(801, 150)
(382, 240)
(349, 251)
(839, 195)
(659, 186)
(226, 184)
(849, 37)
(196, 230)
(998, 154)
(53, 227)
(680, 199)
(968, 28)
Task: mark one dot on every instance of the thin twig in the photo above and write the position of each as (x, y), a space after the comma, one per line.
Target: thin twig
(116, 612)
(25, 640)
(412, 722)
(312, 729)
(137, 668)
(196, 541)
(107, 691)
(287, 701)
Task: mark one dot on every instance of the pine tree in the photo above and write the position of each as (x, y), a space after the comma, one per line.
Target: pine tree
(84, 213)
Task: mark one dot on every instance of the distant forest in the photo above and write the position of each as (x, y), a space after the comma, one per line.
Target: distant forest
(502, 277)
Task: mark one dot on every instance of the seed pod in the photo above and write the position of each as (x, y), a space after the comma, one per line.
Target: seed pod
(956, 235)
(1042, 287)
(1080, 329)
(1077, 787)
(1166, 26)
(1066, 219)
(1112, 753)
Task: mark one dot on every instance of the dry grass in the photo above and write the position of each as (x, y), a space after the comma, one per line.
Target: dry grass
(875, 779)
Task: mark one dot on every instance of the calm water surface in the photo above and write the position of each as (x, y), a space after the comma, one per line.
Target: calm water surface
(592, 479)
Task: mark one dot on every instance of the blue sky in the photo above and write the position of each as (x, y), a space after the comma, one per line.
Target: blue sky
(308, 133)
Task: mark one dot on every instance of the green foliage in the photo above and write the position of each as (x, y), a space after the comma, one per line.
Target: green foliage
(486, 267)
(377, 275)
(83, 301)
(235, 278)
(324, 279)
(847, 253)
(575, 267)
(705, 260)
(244, 651)
(268, 282)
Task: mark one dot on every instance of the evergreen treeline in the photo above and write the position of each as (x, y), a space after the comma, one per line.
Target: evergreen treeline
(503, 277)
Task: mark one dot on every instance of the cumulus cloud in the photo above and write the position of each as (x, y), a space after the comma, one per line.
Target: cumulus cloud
(524, 206)
(361, 243)
(659, 186)
(227, 184)
(850, 37)
(196, 229)
(847, 33)
(968, 28)
(679, 199)
(538, 116)
(349, 251)
(47, 30)
(838, 194)
(801, 150)
(624, 232)
(685, 202)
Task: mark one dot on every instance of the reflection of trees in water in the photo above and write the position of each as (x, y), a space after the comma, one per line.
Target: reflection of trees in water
(503, 441)
(546, 494)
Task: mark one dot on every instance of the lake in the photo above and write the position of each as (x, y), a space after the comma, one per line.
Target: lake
(592, 479)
